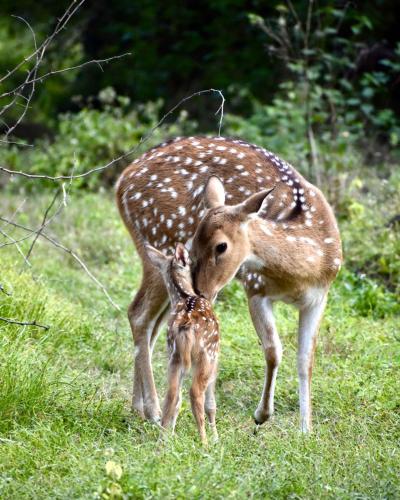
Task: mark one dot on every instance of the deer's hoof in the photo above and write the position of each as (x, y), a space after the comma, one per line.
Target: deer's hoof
(261, 416)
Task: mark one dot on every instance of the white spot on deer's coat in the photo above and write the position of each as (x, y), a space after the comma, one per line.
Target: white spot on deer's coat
(266, 230)
(182, 210)
(328, 240)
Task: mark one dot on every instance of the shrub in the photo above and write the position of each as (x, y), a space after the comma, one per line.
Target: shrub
(94, 137)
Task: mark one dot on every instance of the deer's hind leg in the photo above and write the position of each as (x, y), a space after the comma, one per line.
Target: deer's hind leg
(309, 319)
(172, 400)
(145, 316)
(210, 404)
(202, 373)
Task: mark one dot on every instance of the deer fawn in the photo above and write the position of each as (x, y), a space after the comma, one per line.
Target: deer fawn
(277, 235)
(193, 339)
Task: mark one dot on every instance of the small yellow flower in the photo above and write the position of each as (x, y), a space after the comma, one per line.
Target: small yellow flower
(113, 470)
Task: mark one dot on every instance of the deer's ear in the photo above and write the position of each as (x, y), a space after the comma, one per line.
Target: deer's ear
(214, 194)
(157, 258)
(182, 255)
(253, 203)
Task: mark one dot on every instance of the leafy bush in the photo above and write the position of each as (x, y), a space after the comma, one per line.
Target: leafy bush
(323, 105)
(94, 137)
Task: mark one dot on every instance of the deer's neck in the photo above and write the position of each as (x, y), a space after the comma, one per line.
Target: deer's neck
(267, 246)
(179, 287)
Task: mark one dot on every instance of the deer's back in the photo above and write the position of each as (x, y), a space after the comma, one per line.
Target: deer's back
(160, 194)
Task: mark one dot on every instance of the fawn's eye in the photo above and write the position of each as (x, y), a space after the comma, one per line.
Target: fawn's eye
(221, 248)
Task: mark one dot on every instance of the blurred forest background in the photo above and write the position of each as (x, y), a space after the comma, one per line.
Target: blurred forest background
(317, 83)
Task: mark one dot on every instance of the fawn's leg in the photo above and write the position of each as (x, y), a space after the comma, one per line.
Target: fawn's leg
(172, 398)
(144, 317)
(309, 319)
(201, 378)
(264, 323)
(210, 404)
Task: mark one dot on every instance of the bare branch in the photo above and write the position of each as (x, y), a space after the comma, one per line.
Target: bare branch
(295, 15)
(39, 231)
(41, 78)
(24, 323)
(62, 22)
(70, 252)
(14, 242)
(131, 151)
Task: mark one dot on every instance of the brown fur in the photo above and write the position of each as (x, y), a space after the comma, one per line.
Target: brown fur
(193, 341)
(282, 239)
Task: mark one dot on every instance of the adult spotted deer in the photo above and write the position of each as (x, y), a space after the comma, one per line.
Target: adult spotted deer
(193, 340)
(246, 214)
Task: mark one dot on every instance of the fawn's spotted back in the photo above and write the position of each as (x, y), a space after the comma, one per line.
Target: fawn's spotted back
(195, 313)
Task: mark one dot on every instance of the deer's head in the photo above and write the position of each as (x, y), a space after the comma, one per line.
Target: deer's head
(221, 243)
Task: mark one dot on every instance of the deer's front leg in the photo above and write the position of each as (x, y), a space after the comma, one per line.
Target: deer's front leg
(264, 323)
(144, 316)
(309, 320)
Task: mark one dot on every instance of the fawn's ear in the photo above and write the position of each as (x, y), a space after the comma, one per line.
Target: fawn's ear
(214, 193)
(182, 255)
(157, 258)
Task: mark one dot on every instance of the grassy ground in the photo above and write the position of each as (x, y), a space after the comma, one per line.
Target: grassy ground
(65, 392)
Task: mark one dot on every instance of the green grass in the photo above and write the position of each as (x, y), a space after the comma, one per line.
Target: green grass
(65, 392)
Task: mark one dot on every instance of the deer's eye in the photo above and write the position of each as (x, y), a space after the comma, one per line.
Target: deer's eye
(221, 248)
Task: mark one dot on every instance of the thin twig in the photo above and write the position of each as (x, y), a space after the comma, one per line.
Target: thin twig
(70, 252)
(41, 78)
(129, 152)
(308, 23)
(15, 242)
(39, 231)
(64, 19)
(24, 323)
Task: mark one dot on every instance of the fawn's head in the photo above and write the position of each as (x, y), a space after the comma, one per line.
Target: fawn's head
(175, 269)
(221, 243)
